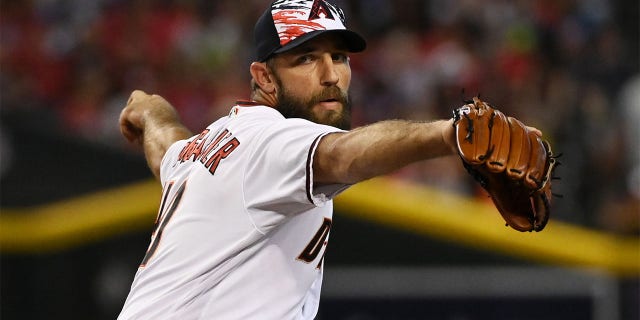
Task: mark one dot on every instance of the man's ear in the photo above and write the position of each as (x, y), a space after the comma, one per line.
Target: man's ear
(263, 77)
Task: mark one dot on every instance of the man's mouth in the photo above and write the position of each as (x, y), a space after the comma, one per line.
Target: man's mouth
(331, 99)
(332, 104)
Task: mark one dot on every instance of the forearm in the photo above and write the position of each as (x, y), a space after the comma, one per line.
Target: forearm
(379, 149)
(157, 138)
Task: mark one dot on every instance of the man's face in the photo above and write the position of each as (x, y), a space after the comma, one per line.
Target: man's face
(313, 82)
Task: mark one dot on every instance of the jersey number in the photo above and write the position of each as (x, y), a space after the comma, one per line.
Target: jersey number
(318, 241)
(162, 219)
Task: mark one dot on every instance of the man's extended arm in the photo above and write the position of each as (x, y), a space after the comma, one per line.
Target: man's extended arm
(150, 121)
(380, 148)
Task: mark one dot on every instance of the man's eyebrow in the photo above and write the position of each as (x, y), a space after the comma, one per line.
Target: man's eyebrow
(305, 48)
(309, 47)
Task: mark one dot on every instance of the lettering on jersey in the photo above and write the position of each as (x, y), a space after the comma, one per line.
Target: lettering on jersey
(210, 154)
(194, 147)
(319, 241)
(214, 144)
(222, 153)
(163, 219)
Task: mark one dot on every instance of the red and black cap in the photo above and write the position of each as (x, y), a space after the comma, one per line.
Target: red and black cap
(288, 23)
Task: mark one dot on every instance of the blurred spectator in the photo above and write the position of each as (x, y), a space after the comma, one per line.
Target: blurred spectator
(620, 211)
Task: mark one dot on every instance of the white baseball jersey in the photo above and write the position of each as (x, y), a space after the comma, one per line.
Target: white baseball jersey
(242, 231)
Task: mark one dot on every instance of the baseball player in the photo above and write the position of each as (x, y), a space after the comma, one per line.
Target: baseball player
(246, 210)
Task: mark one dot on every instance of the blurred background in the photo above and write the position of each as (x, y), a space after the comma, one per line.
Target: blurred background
(567, 67)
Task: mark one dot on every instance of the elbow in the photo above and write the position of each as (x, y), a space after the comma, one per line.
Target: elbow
(335, 162)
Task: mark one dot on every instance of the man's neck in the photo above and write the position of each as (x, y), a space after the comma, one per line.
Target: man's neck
(266, 99)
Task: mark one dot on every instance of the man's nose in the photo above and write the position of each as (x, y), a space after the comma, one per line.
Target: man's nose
(329, 74)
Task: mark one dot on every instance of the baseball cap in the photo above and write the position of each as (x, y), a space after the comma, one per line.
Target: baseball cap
(287, 24)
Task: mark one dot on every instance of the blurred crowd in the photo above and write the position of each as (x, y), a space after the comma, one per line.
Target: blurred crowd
(568, 67)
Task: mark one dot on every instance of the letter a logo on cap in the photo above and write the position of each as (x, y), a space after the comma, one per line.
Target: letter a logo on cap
(294, 18)
(320, 10)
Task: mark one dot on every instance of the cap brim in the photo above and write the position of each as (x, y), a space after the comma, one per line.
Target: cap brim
(353, 41)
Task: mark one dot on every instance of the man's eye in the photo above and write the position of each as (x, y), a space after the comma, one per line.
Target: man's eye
(305, 59)
(340, 57)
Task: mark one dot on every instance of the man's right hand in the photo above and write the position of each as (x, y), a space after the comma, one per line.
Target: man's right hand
(151, 122)
(142, 107)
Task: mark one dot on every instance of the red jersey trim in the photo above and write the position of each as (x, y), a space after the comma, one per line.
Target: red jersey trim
(247, 103)
(309, 172)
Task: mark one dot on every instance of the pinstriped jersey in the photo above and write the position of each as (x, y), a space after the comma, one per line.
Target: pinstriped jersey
(241, 230)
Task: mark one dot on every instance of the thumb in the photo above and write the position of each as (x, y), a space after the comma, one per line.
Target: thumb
(136, 95)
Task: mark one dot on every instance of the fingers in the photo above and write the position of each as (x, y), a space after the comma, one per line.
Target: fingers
(128, 128)
(498, 156)
(130, 132)
(535, 130)
(519, 150)
(537, 162)
(473, 136)
(131, 122)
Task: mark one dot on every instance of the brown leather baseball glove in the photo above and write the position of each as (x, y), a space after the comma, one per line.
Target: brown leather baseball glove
(509, 160)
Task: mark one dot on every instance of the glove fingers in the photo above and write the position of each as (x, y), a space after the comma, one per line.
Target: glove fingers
(520, 148)
(500, 143)
(472, 134)
(542, 198)
(542, 205)
(537, 162)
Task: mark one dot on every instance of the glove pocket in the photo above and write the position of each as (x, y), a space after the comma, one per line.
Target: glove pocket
(513, 202)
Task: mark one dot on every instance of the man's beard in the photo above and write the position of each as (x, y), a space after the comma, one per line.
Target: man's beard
(293, 107)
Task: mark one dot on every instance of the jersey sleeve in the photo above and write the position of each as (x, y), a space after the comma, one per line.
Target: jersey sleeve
(167, 166)
(279, 176)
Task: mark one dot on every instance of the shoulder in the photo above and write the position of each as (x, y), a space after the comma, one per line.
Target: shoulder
(250, 114)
